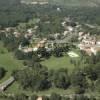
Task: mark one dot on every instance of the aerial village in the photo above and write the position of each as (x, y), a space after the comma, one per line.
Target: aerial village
(49, 56)
(86, 42)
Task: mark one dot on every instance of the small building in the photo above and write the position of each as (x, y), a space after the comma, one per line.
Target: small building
(27, 50)
(39, 98)
(16, 34)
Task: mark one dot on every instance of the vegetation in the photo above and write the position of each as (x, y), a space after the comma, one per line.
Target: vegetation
(89, 3)
(11, 15)
(2, 72)
(8, 62)
(12, 12)
(53, 96)
(56, 63)
(46, 70)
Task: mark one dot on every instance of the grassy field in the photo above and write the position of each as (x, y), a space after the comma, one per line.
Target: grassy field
(61, 62)
(52, 63)
(56, 63)
(8, 61)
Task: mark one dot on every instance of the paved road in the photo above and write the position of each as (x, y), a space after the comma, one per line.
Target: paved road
(6, 83)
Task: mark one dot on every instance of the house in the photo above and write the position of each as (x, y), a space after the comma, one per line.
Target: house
(81, 34)
(63, 23)
(89, 43)
(16, 34)
(39, 98)
(70, 28)
(27, 50)
(65, 33)
(9, 29)
(35, 49)
(29, 30)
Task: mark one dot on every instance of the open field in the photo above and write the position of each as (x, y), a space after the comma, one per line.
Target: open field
(56, 63)
(8, 61)
(61, 62)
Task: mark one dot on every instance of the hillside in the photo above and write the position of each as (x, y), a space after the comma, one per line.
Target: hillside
(90, 3)
(9, 2)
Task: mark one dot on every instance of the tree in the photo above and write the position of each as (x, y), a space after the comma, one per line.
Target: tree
(2, 72)
(43, 52)
(45, 98)
(90, 72)
(65, 98)
(55, 96)
(79, 90)
(20, 97)
(80, 97)
(97, 85)
(96, 69)
(78, 79)
(57, 52)
(61, 78)
(35, 78)
(19, 55)
(35, 58)
(24, 42)
(33, 97)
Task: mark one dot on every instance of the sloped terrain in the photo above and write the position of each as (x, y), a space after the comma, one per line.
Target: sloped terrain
(90, 3)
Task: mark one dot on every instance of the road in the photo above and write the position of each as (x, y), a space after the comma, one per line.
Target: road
(6, 83)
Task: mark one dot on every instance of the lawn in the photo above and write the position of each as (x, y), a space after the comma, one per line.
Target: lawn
(8, 61)
(52, 63)
(61, 62)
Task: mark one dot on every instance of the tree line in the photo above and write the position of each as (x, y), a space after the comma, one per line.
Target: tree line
(13, 12)
(53, 96)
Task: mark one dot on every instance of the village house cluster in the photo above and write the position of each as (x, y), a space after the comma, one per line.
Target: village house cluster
(57, 38)
(36, 42)
(88, 43)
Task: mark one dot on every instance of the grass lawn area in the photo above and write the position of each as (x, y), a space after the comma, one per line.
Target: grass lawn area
(8, 61)
(56, 63)
(52, 63)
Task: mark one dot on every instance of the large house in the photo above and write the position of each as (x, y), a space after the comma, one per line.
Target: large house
(88, 43)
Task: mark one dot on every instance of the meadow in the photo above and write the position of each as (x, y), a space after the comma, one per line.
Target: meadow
(8, 62)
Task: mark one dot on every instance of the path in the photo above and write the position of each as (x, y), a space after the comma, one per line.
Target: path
(6, 83)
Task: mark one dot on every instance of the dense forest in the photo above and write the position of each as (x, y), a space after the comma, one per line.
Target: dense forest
(11, 13)
(89, 3)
